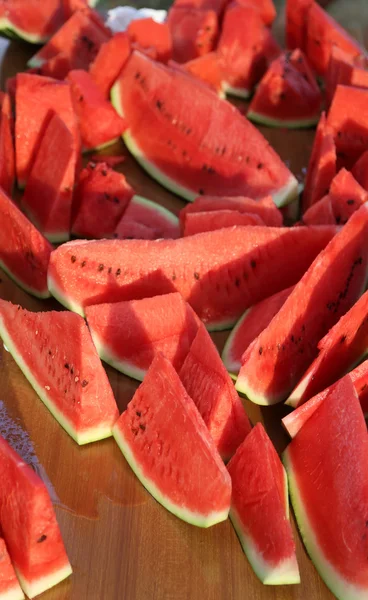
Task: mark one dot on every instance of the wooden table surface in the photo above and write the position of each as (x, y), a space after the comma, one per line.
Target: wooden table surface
(122, 544)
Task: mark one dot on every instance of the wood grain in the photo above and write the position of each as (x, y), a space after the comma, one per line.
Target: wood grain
(121, 543)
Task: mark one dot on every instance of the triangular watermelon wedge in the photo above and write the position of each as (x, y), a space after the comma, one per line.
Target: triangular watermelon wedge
(109, 61)
(9, 584)
(320, 213)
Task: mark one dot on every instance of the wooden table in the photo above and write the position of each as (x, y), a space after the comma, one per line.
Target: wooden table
(122, 544)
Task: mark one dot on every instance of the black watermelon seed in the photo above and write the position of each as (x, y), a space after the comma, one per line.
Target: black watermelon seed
(104, 172)
(260, 166)
(109, 270)
(196, 275)
(101, 267)
(118, 272)
(173, 277)
(84, 383)
(73, 258)
(138, 413)
(143, 427)
(42, 539)
(350, 202)
(253, 264)
(260, 350)
(84, 263)
(66, 366)
(342, 339)
(201, 191)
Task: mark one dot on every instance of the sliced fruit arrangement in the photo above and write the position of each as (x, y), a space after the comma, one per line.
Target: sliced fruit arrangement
(9, 584)
(259, 509)
(220, 273)
(56, 354)
(196, 487)
(29, 526)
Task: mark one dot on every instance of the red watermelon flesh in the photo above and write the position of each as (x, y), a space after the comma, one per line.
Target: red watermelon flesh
(360, 170)
(346, 195)
(149, 34)
(220, 273)
(266, 8)
(36, 98)
(296, 23)
(287, 95)
(71, 6)
(279, 357)
(131, 230)
(57, 67)
(100, 199)
(99, 123)
(342, 348)
(249, 326)
(265, 208)
(194, 32)
(128, 335)
(31, 20)
(29, 525)
(168, 446)
(343, 70)
(209, 385)
(323, 33)
(24, 252)
(154, 217)
(327, 466)
(258, 510)
(295, 420)
(7, 158)
(109, 61)
(49, 191)
(56, 354)
(321, 166)
(192, 141)
(111, 160)
(9, 584)
(320, 213)
(245, 49)
(198, 222)
(208, 69)
(216, 5)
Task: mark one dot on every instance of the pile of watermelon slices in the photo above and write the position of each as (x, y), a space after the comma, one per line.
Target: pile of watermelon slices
(144, 286)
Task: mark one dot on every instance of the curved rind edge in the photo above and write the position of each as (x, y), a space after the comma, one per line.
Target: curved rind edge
(62, 298)
(23, 286)
(42, 584)
(114, 361)
(231, 365)
(6, 25)
(292, 124)
(165, 212)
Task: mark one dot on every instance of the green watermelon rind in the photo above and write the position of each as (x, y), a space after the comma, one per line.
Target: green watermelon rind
(84, 437)
(108, 357)
(164, 212)
(231, 365)
(292, 124)
(24, 286)
(338, 586)
(295, 396)
(8, 29)
(242, 387)
(237, 92)
(55, 237)
(200, 520)
(14, 593)
(60, 297)
(287, 573)
(101, 146)
(43, 583)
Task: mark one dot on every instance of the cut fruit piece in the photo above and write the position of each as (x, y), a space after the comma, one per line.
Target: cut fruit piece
(190, 480)
(99, 123)
(246, 48)
(160, 222)
(328, 484)
(258, 510)
(209, 385)
(265, 208)
(220, 273)
(30, 20)
(146, 33)
(198, 222)
(24, 252)
(9, 584)
(296, 23)
(128, 335)
(342, 348)
(320, 213)
(360, 170)
(197, 153)
(56, 354)
(277, 359)
(100, 199)
(36, 98)
(346, 196)
(207, 68)
(48, 196)
(266, 8)
(194, 32)
(249, 326)
(29, 526)
(109, 61)
(321, 166)
(7, 157)
(287, 95)
(343, 70)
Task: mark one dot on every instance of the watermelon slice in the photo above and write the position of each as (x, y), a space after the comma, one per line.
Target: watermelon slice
(296, 23)
(195, 153)
(321, 166)
(29, 526)
(99, 124)
(168, 446)
(56, 354)
(265, 208)
(346, 195)
(31, 20)
(259, 510)
(36, 98)
(329, 486)
(287, 95)
(277, 359)
(208, 69)
(320, 213)
(249, 326)
(220, 273)
(146, 33)
(360, 170)
(160, 222)
(128, 335)
(109, 61)
(209, 385)
(100, 199)
(342, 348)
(9, 584)
(343, 70)
(266, 8)
(246, 47)
(7, 158)
(24, 252)
(198, 222)
(295, 420)
(49, 191)
(194, 32)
